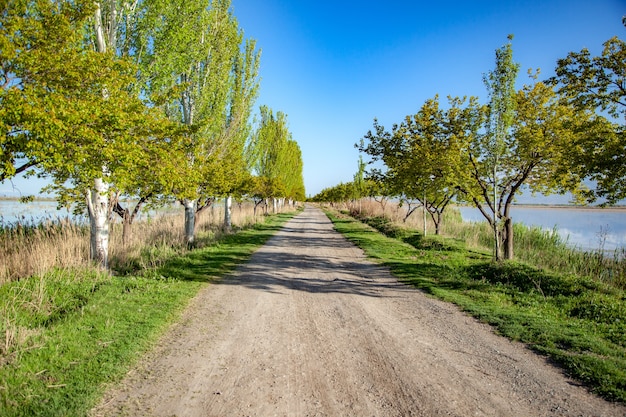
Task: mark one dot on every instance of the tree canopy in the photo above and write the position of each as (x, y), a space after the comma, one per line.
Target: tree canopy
(598, 84)
(149, 99)
(276, 158)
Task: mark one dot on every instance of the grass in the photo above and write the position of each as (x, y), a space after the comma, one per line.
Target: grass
(577, 321)
(29, 247)
(66, 334)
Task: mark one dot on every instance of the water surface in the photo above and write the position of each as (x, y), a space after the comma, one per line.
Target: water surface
(583, 228)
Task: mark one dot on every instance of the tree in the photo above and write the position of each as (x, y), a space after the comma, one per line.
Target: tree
(377, 190)
(340, 193)
(67, 107)
(203, 78)
(359, 182)
(421, 156)
(598, 83)
(537, 156)
(500, 85)
(276, 158)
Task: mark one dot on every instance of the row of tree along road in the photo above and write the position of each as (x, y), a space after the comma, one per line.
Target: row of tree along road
(552, 136)
(150, 99)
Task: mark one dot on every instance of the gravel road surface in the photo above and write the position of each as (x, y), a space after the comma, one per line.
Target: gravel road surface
(309, 327)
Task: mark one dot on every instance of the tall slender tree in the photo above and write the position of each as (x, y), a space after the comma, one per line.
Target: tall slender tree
(500, 85)
(276, 158)
(206, 79)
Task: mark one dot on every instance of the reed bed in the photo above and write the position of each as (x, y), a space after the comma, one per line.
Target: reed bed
(29, 248)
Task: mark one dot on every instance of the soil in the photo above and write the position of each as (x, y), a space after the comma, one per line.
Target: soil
(309, 327)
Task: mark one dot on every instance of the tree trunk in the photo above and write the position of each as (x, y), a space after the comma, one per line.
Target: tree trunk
(98, 208)
(228, 202)
(98, 197)
(127, 229)
(190, 220)
(508, 238)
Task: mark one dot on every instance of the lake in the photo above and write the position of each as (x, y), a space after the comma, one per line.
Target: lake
(583, 228)
(12, 211)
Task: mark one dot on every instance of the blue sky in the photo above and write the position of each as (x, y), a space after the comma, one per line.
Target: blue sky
(333, 65)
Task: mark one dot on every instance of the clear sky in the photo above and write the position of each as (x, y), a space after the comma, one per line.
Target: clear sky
(334, 65)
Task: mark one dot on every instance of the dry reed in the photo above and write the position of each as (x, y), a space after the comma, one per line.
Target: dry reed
(31, 249)
(542, 248)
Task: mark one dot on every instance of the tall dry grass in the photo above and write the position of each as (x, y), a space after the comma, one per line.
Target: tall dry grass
(536, 246)
(28, 249)
(397, 214)
(31, 249)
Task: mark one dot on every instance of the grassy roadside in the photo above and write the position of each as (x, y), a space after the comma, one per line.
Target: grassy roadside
(70, 332)
(578, 322)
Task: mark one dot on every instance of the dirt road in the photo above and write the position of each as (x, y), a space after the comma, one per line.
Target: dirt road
(310, 328)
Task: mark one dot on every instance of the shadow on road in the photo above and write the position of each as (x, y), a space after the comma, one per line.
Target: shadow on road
(307, 255)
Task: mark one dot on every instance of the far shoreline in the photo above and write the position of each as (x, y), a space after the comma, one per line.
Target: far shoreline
(569, 207)
(572, 207)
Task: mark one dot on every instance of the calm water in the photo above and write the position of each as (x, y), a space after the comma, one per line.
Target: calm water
(587, 229)
(12, 211)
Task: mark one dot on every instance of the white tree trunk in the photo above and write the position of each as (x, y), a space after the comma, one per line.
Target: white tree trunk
(228, 203)
(98, 207)
(190, 220)
(98, 197)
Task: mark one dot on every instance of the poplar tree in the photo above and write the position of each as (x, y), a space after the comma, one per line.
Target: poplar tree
(275, 158)
(500, 85)
(205, 79)
(359, 182)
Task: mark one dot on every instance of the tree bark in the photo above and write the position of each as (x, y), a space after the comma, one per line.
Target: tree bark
(190, 220)
(228, 202)
(98, 208)
(508, 238)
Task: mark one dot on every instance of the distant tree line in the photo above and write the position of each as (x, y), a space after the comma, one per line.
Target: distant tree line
(148, 99)
(551, 136)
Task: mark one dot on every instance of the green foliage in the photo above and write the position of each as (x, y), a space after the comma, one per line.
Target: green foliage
(423, 155)
(597, 84)
(65, 108)
(338, 194)
(485, 155)
(276, 158)
(203, 75)
(500, 83)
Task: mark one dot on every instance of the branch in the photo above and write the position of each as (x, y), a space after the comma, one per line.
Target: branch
(483, 188)
(18, 170)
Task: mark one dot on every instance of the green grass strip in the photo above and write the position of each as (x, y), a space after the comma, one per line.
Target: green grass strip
(578, 322)
(74, 332)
